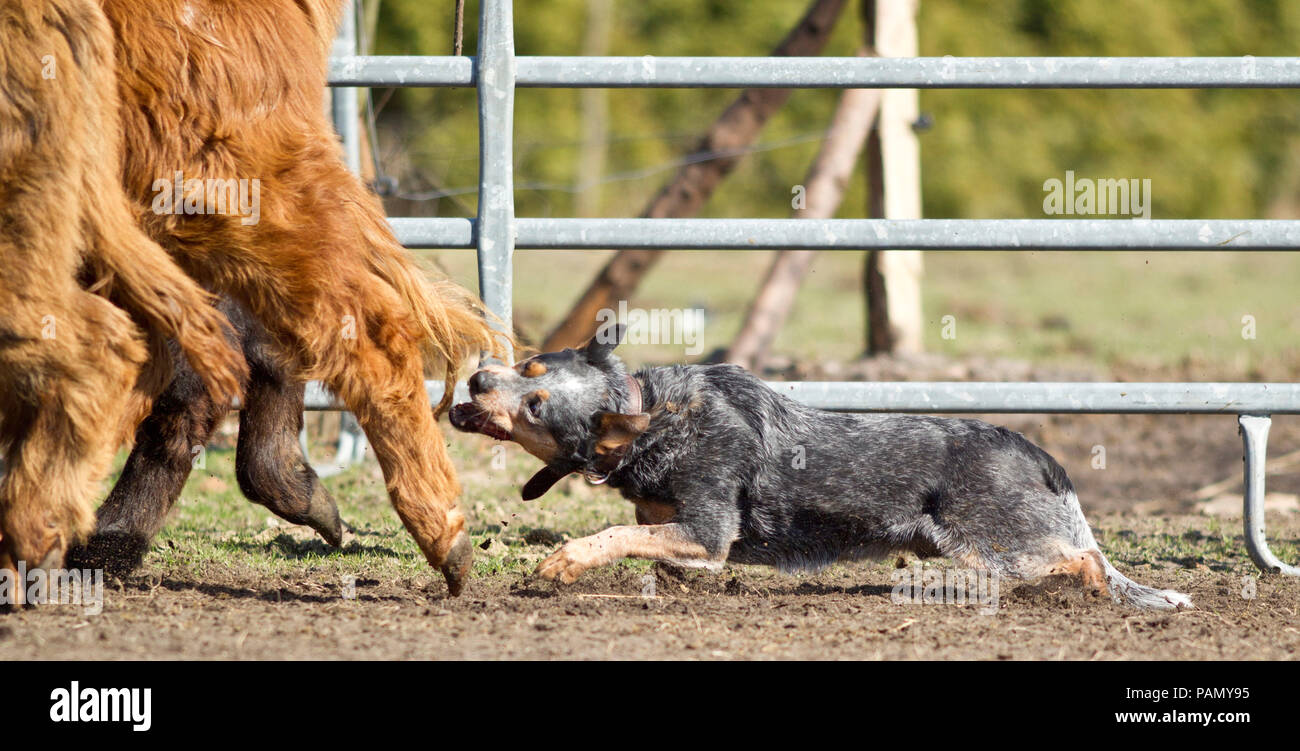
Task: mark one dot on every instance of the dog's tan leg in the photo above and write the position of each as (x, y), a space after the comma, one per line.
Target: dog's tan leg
(654, 512)
(1084, 564)
(672, 543)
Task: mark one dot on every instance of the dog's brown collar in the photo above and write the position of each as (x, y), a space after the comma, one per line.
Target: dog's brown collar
(633, 395)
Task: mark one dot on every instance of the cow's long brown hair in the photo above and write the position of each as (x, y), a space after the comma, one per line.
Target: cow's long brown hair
(72, 381)
(232, 91)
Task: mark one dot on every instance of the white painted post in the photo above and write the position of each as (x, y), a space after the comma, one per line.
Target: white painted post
(901, 270)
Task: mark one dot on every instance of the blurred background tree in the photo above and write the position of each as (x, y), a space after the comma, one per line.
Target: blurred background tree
(1208, 153)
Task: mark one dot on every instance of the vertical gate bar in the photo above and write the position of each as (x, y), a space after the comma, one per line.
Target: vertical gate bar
(1254, 438)
(345, 113)
(496, 199)
(345, 99)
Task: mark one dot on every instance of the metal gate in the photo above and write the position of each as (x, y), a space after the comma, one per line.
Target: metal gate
(495, 233)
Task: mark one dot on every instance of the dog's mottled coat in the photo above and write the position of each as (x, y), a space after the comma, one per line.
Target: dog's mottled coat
(722, 468)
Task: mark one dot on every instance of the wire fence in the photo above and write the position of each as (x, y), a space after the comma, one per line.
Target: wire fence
(496, 233)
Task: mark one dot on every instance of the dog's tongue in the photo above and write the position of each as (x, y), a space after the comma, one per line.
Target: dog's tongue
(545, 478)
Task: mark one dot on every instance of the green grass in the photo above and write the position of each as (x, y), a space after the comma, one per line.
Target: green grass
(216, 535)
(1150, 311)
(1211, 542)
(214, 532)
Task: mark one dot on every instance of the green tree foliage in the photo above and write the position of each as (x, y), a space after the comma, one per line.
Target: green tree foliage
(1212, 153)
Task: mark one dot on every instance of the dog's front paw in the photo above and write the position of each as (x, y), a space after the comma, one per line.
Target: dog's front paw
(566, 564)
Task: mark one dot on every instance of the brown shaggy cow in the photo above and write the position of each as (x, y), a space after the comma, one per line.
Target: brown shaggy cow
(218, 91)
(269, 462)
(72, 385)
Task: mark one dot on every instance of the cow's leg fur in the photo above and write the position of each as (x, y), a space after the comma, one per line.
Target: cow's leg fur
(69, 360)
(166, 444)
(336, 310)
(318, 265)
(61, 442)
(269, 462)
(383, 385)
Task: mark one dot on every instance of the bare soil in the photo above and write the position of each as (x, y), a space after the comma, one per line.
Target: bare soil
(1143, 502)
(845, 612)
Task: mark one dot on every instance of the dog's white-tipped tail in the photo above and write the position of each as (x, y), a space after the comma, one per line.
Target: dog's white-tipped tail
(1122, 588)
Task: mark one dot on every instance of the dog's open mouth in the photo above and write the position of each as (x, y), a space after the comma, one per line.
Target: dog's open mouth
(470, 418)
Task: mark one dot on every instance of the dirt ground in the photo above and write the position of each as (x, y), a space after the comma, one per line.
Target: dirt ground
(263, 594)
(845, 612)
(1152, 463)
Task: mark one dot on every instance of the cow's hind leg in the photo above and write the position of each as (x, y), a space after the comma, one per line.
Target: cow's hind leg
(61, 444)
(269, 461)
(168, 441)
(167, 444)
(383, 384)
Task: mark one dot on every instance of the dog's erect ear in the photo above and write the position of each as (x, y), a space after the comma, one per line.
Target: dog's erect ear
(603, 343)
(615, 431)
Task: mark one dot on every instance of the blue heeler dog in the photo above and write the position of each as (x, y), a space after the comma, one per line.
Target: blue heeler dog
(705, 453)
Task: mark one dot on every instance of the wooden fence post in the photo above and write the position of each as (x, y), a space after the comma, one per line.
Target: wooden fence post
(824, 188)
(893, 277)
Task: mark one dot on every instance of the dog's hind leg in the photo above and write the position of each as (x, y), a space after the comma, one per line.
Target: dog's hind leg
(1061, 544)
(1057, 557)
(1121, 588)
(1088, 566)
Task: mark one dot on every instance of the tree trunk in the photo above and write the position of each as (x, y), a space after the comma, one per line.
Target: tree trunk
(721, 148)
(823, 193)
(880, 338)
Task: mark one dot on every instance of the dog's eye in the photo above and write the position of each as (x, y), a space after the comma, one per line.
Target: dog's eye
(535, 406)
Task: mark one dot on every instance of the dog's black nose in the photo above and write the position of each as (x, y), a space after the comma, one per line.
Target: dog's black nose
(480, 382)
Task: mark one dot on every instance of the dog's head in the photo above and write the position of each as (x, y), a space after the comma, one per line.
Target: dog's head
(575, 409)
